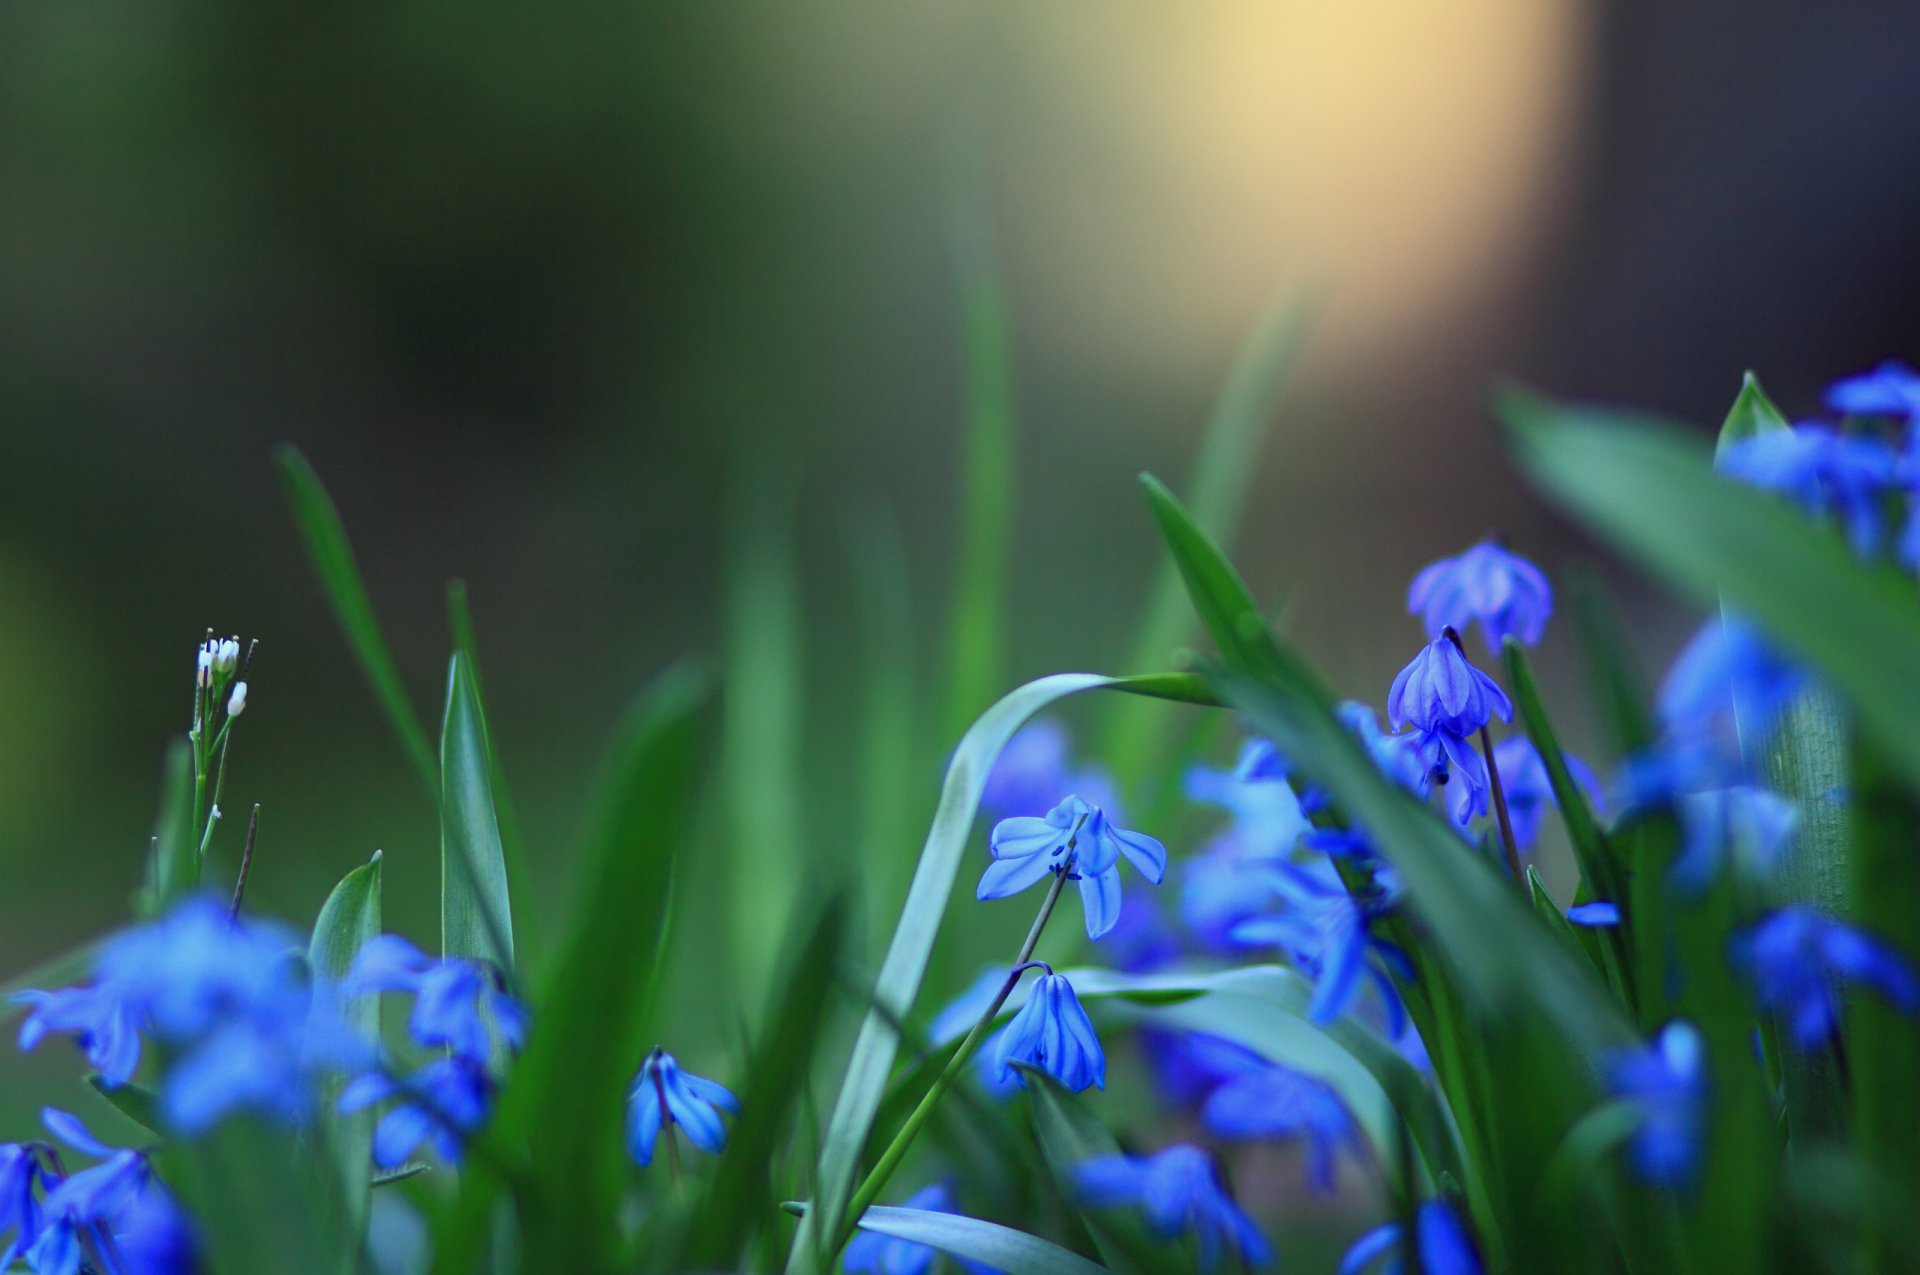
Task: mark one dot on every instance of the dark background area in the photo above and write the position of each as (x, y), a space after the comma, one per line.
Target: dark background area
(535, 289)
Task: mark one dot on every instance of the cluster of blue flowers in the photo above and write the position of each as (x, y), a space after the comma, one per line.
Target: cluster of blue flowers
(111, 1216)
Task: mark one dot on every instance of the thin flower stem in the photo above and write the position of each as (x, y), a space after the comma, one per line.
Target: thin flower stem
(219, 790)
(883, 1168)
(246, 863)
(1500, 809)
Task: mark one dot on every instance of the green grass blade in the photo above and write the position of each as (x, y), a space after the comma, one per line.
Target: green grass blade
(175, 866)
(977, 627)
(566, 1097)
(1752, 415)
(1596, 858)
(349, 918)
(1000, 1247)
(1650, 491)
(135, 1103)
(1215, 590)
(865, 1081)
(741, 1196)
(763, 717)
(512, 848)
(332, 558)
(890, 758)
(1223, 476)
(476, 914)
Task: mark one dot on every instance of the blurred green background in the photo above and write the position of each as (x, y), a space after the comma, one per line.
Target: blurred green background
(639, 317)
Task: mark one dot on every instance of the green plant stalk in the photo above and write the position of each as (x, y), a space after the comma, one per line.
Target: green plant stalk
(889, 1160)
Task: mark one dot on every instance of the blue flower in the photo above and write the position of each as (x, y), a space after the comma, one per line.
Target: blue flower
(1267, 818)
(1666, 1084)
(1751, 825)
(1179, 1191)
(1274, 1102)
(100, 1021)
(1052, 1033)
(871, 1253)
(459, 1004)
(1823, 472)
(1440, 1237)
(1397, 756)
(1440, 691)
(1794, 957)
(663, 1093)
(1076, 839)
(19, 1209)
(1892, 389)
(1325, 932)
(1529, 791)
(196, 966)
(445, 1101)
(119, 1196)
(1597, 915)
(1218, 890)
(1188, 1066)
(1507, 594)
(1728, 662)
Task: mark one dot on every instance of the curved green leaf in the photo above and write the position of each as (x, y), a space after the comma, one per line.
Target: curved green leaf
(325, 538)
(1001, 1247)
(476, 915)
(132, 1101)
(349, 918)
(1751, 415)
(865, 1081)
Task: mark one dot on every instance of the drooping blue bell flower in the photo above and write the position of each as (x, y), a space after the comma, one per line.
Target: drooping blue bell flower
(1267, 817)
(1891, 389)
(1507, 595)
(1179, 1192)
(1189, 1066)
(1278, 1103)
(663, 1093)
(1666, 1084)
(20, 1169)
(1076, 839)
(1327, 935)
(443, 1103)
(1751, 827)
(458, 1004)
(1441, 691)
(1441, 1239)
(1053, 1034)
(1796, 958)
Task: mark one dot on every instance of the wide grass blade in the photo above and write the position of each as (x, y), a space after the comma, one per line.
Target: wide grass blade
(349, 918)
(560, 1119)
(513, 849)
(332, 558)
(1000, 1247)
(865, 1081)
(476, 914)
(763, 722)
(1223, 477)
(977, 627)
(174, 869)
(1650, 491)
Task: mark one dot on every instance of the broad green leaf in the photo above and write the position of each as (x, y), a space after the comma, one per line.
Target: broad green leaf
(741, 1194)
(865, 1080)
(1215, 589)
(1596, 858)
(1223, 476)
(347, 921)
(976, 626)
(135, 1103)
(512, 847)
(1650, 490)
(325, 539)
(174, 868)
(561, 1115)
(63, 970)
(476, 915)
(762, 721)
(1001, 1247)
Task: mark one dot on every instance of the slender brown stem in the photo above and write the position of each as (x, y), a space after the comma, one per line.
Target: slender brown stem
(1500, 808)
(246, 863)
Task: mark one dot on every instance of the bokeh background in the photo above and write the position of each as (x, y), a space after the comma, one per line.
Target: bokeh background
(641, 317)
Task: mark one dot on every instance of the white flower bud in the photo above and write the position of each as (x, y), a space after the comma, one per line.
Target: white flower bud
(228, 655)
(203, 665)
(237, 702)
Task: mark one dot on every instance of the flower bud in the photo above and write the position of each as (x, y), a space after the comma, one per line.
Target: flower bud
(237, 702)
(227, 656)
(203, 664)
